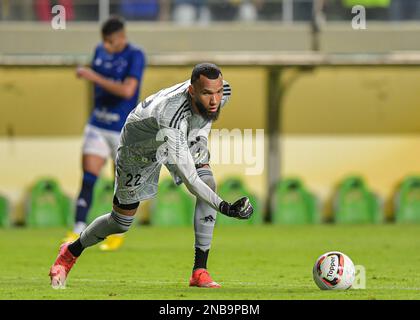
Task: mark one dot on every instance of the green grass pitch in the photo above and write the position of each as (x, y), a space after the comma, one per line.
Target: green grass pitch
(250, 262)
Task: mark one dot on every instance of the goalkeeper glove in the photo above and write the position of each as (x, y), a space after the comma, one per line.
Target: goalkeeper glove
(240, 209)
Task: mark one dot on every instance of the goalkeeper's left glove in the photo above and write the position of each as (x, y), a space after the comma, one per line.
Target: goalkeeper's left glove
(240, 209)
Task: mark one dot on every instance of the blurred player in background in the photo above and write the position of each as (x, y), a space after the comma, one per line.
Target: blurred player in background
(116, 73)
(170, 127)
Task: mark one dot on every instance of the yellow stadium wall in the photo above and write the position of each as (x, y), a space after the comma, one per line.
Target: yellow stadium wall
(335, 121)
(51, 101)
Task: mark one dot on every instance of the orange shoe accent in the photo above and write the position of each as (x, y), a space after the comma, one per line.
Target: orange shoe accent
(61, 267)
(201, 278)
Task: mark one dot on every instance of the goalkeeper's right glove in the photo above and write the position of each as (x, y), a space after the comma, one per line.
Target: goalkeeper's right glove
(240, 209)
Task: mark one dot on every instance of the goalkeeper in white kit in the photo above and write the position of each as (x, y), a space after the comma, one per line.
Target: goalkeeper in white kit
(170, 127)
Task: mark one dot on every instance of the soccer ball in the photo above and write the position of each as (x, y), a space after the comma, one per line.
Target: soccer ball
(333, 271)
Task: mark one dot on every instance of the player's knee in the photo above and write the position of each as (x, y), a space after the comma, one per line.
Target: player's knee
(123, 215)
(206, 175)
(125, 209)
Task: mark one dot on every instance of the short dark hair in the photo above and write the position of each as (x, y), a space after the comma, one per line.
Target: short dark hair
(111, 25)
(209, 70)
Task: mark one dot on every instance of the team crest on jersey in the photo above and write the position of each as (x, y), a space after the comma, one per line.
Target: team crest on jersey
(120, 64)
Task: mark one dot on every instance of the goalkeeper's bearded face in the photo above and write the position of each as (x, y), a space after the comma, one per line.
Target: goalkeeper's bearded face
(207, 95)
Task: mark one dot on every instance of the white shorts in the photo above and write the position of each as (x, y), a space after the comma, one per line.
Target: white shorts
(135, 180)
(100, 142)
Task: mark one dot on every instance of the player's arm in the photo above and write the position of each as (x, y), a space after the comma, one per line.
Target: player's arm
(125, 89)
(180, 156)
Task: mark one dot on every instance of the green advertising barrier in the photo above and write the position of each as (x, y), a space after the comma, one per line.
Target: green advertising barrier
(293, 204)
(407, 201)
(103, 193)
(355, 203)
(173, 206)
(47, 205)
(4, 212)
